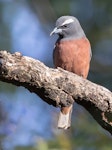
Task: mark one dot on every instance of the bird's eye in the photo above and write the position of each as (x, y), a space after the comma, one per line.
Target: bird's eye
(64, 26)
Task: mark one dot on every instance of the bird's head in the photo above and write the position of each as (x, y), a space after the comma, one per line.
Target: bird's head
(68, 27)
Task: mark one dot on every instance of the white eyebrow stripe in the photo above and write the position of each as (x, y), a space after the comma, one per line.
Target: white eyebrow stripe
(67, 21)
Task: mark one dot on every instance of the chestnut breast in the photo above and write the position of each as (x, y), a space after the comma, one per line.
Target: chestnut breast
(73, 55)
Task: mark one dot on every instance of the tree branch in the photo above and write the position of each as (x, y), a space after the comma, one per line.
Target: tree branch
(57, 87)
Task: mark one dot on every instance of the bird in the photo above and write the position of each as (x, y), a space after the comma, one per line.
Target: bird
(72, 52)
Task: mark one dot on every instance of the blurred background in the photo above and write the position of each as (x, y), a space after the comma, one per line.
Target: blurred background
(28, 123)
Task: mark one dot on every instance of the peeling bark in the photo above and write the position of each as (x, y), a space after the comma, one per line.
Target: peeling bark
(57, 87)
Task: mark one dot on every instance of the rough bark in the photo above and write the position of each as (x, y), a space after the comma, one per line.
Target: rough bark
(57, 87)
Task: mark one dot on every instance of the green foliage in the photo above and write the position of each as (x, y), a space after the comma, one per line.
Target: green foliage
(7, 88)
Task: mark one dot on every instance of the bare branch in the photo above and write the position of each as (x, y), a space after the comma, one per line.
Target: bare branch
(56, 86)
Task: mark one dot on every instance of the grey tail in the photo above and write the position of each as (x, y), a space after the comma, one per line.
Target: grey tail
(64, 121)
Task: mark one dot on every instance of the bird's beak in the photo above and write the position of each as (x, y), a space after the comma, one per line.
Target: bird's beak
(56, 31)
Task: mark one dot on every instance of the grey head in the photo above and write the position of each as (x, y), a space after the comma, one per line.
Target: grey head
(68, 27)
